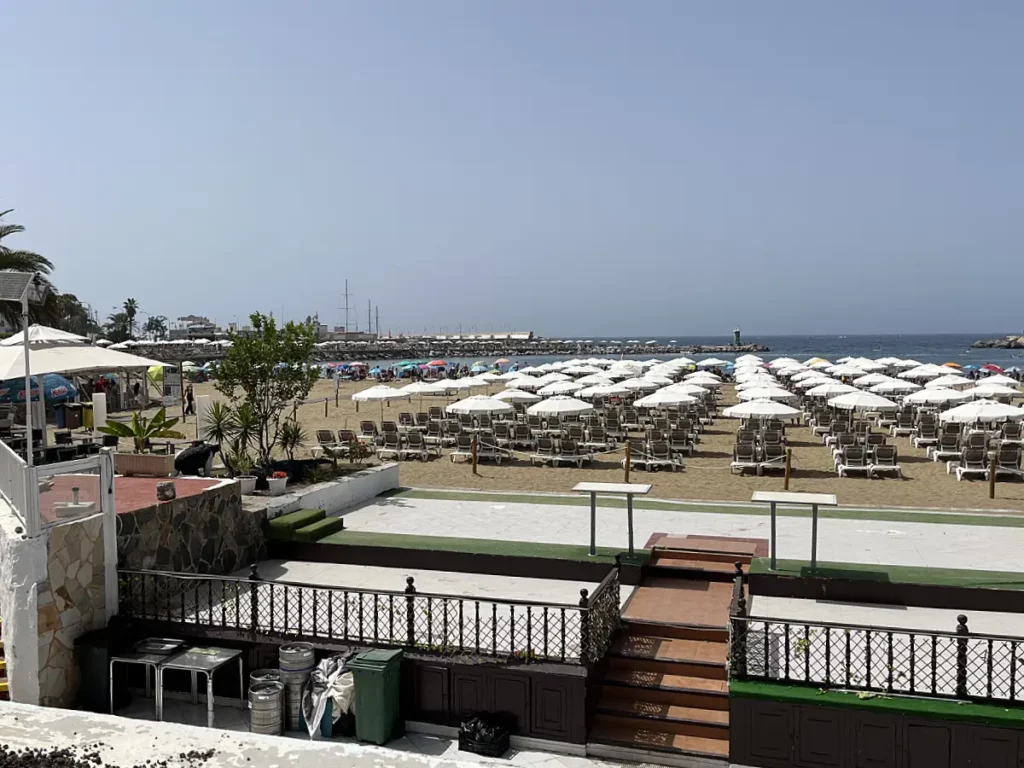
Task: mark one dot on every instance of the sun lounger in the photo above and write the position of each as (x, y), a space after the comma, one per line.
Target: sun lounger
(392, 446)
(598, 440)
(463, 448)
(973, 461)
(744, 456)
(947, 449)
(326, 444)
(854, 459)
(926, 434)
(773, 456)
(904, 426)
(368, 432)
(679, 441)
(523, 438)
(406, 422)
(1011, 433)
(569, 453)
(885, 461)
(638, 458)
(661, 457)
(544, 452)
(1008, 461)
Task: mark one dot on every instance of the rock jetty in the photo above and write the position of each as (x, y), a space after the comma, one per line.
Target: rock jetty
(1007, 342)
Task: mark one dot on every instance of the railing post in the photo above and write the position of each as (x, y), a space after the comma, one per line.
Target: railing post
(962, 633)
(254, 603)
(739, 630)
(584, 626)
(410, 612)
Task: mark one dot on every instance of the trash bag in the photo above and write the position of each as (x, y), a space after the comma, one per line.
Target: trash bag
(193, 459)
(328, 680)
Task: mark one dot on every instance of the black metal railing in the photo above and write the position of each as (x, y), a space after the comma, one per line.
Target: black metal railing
(958, 664)
(444, 624)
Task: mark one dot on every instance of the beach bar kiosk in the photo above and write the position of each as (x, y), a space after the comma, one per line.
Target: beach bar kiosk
(813, 500)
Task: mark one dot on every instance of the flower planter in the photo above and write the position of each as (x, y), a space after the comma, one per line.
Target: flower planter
(248, 483)
(276, 485)
(152, 464)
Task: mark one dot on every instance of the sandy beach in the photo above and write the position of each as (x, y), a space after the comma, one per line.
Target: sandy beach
(707, 476)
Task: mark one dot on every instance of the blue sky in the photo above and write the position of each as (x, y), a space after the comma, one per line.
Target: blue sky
(583, 168)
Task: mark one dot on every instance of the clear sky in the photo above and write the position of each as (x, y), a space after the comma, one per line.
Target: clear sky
(568, 167)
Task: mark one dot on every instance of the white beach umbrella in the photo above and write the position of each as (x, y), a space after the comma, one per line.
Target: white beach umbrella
(702, 375)
(987, 389)
(782, 362)
(560, 405)
(937, 396)
(640, 385)
(905, 364)
(531, 370)
(528, 383)
(817, 381)
(681, 362)
(999, 378)
(801, 375)
(870, 366)
(477, 404)
(845, 370)
(464, 383)
(870, 379)
(766, 393)
(894, 387)
(749, 358)
(420, 388)
(510, 375)
(103, 342)
(820, 365)
(43, 334)
(593, 379)
(487, 378)
(831, 389)
(982, 411)
(757, 381)
(760, 408)
(689, 388)
(863, 401)
(559, 388)
(604, 390)
(923, 372)
(661, 381)
(379, 394)
(889, 362)
(664, 398)
(552, 377)
(953, 382)
(69, 358)
(580, 370)
(517, 396)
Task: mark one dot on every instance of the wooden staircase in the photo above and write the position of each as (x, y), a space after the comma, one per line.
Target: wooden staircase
(665, 694)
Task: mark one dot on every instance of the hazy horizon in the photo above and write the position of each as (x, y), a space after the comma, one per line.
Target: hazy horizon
(572, 168)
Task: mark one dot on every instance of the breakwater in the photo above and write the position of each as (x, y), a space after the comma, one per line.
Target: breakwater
(1006, 342)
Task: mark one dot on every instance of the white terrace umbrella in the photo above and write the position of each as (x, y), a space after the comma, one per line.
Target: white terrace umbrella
(664, 398)
(938, 396)
(999, 379)
(517, 396)
(483, 380)
(923, 372)
(845, 370)
(862, 401)
(983, 411)
(478, 404)
(766, 393)
(953, 382)
(661, 381)
(581, 370)
(43, 334)
(760, 408)
(636, 385)
(805, 384)
(830, 389)
(894, 387)
(510, 375)
(702, 375)
(552, 377)
(72, 358)
(801, 375)
(712, 362)
(986, 389)
(756, 381)
(559, 388)
(593, 379)
(604, 390)
(782, 362)
(379, 394)
(526, 382)
(421, 388)
(560, 405)
(688, 388)
(869, 380)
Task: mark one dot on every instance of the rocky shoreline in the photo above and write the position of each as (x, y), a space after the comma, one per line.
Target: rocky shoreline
(1007, 342)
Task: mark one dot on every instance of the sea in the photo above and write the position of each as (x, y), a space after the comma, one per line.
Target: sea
(925, 348)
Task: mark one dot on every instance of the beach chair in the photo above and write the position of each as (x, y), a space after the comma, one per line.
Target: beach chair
(465, 421)
(575, 432)
(463, 448)
(388, 426)
(772, 437)
(837, 428)
(392, 446)
(535, 424)
(406, 422)
(598, 440)
(523, 438)
(976, 440)
(569, 452)
(680, 441)
(746, 436)
(927, 433)
(947, 449)
(661, 456)
(415, 447)
(487, 448)
(690, 427)
(951, 428)
(973, 461)
(1008, 461)
(483, 421)
(638, 458)
(654, 435)
(842, 443)
(544, 453)
(904, 426)
(435, 413)
(884, 460)
(435, 436)
(613, 427)
(630, 420)
(744, 456)
(873, 440)
(704, 414)
(853, 459)
(775, 425)
(368, 432)
(503, 435)
(661, 423)
(326, 444)
(347, 439)
(773, 456)
(422, 421)
(1011, 433)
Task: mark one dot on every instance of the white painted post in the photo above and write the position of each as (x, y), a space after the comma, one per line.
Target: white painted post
(99, 410)
(108, 505)
(203, 406)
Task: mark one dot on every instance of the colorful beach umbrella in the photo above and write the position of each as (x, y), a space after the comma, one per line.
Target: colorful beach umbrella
(437, 363)
(56, 389)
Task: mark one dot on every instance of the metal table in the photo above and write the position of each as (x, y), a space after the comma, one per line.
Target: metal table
(198, 661)
(629, 490)
(815, 500)
(147, 657)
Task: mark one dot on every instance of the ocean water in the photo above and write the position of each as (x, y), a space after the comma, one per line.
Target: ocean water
(925, 348)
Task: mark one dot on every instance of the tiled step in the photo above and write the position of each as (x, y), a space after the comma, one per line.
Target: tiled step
(709, 669)
(661, 741)
(677, 690)
(670, 649)
(663, 565)
(703, 555)
(686, 721)
(645, 628)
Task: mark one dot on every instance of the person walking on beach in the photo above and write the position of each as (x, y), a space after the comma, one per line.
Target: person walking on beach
(190, 401)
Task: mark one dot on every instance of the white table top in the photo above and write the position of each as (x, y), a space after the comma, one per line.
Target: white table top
(789, 497)
(636, 488)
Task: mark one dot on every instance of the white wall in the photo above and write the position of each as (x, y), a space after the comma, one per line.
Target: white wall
(338, 495)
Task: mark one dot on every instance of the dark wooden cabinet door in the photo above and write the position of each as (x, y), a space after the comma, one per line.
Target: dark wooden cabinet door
(991, 747)
(552, 703)
(510, 700)
(819, 742)
(770, 734)
(469, 693)
(927, 744)
(425, 697)
(875, 741)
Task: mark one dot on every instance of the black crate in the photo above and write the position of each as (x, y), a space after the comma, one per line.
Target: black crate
(487, 749)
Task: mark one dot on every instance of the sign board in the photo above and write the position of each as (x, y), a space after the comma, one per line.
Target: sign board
(172, 387)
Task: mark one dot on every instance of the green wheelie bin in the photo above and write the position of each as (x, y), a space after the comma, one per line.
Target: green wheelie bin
(376, 675)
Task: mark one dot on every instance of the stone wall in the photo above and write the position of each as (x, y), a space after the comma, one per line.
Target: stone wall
(71, 601)
(206, 533)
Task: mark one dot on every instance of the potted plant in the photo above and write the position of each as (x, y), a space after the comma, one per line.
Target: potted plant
(277, 482)
(141, 431)
(240, 465)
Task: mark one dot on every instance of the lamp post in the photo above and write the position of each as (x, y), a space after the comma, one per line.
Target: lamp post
(35, 291)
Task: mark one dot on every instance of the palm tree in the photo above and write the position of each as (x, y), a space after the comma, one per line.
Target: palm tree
(131, 307)
(157, 326)
(116, 328)
(16, 260)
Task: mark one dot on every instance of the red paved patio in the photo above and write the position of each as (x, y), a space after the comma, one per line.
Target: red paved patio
(131, 493)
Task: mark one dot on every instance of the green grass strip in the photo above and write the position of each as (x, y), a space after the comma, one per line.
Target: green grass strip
(986, 714)
(717, 508)
(894, 574)
(480, 546)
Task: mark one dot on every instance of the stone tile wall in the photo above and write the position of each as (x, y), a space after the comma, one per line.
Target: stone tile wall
(71, 601)
(206, 533)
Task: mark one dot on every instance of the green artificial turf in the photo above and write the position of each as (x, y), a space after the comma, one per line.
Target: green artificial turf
(481, 546)
(319, 529)
(987, 714)
(893, 574)
(284, 526)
